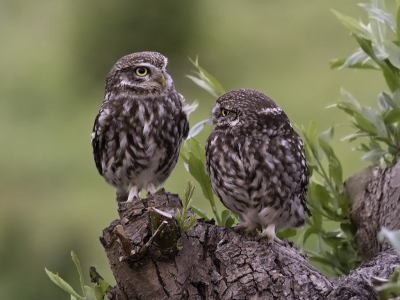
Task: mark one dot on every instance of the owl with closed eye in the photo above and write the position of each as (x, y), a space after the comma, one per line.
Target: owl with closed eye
(256, 163)
(141, 124)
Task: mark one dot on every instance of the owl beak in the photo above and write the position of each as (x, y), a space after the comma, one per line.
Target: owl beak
(161, 79)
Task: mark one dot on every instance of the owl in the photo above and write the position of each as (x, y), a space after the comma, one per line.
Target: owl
(256, 163)
(141, 124)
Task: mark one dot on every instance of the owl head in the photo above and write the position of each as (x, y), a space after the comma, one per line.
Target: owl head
(247, 108)
(141, 73)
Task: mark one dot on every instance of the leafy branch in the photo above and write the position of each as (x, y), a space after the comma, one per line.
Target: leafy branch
(181, 216)
(96, 293)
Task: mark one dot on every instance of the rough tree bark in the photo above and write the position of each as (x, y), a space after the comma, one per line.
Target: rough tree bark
(216, 263)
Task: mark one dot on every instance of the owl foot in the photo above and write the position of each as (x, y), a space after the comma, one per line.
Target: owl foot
(269, 234)
(133, 194)
(150, 189)
(246, 227)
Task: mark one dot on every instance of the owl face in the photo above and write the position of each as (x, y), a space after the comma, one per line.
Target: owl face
(244, 108)
(142, 73)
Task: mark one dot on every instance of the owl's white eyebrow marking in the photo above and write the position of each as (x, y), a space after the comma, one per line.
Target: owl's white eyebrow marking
(234, 122)
(275, 110)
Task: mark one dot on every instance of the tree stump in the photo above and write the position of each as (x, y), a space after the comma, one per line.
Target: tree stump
(213, 262)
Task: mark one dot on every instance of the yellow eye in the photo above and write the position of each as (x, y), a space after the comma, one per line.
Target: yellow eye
(141, 71)
(225, 112)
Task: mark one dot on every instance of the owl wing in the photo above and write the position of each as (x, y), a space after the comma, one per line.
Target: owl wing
(285, 163)
(186, 109)
(96, 140)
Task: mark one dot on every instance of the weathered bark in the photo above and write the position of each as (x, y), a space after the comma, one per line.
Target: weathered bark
(375, 197)
(216, 263)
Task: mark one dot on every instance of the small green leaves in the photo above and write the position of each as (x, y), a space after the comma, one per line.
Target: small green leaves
(63, 284)
(287, 233)
(352, 24)
(181, 217)
(337, 250)
(205, 80)
(97, 293)
(393, 52)
(227, 218)
(194, 156)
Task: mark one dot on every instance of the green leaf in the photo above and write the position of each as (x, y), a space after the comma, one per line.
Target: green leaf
(326, 148)
(200, 213)
(204, 85)
(353, 136)
(73, 298)
(100, 290)
(382, 103)
(206, 80)
(366, 46)
(322, 194)
(327, 135)
(63, 284)
(391, 102)
(388, 290)
(393, 52)
(398, 23)
(78, 266)
(377, 13)
(198, 171)
(89, 293)
(227, 218)
(349, 229)
(364, 124)
(352, 24)
(373, 117)
(309, 231)
(391, 117)
(287, 233)
(310, 136)
(195, 149)
(341, 63)
(321, 260)
(391, 77)
(192, 221)
(374, 155)
(335, 171)
(198, 127)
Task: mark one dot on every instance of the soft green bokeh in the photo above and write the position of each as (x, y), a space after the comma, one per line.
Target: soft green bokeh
(54, 58)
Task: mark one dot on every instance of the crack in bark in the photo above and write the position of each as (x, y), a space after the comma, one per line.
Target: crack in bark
(160, 278)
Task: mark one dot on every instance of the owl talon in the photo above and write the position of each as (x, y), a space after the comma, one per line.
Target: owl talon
(160, 191)
(269, 234)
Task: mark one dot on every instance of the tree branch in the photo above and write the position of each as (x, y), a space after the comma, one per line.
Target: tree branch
(217, 263)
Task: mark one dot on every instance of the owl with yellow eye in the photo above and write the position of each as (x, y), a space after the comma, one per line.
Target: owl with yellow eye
(141, 124)
(256, 163)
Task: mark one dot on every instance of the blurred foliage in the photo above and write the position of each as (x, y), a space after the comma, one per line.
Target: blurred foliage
(377, 52)
(389, 288)
(337, 251)
(54, 58)
(181, 216)
(95, 293)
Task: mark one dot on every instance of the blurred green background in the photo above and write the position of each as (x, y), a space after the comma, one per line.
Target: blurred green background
(54, 58)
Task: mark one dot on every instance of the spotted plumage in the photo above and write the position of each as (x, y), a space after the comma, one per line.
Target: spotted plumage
(256, 163)
(141, 124)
